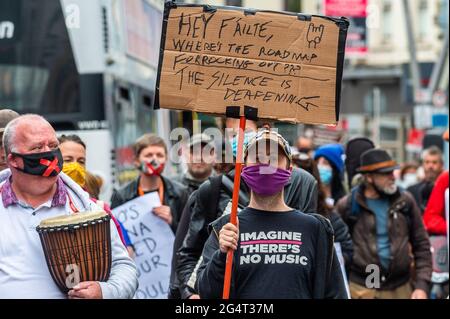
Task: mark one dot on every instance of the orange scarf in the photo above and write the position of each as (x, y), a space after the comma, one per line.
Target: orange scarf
(160, 192)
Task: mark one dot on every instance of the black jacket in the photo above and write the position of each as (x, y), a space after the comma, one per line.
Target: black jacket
(183, 226)
(407, 237)
(175, 196)
(342, 236)
(327, 279)
(300, 193)
(191, 184)
(421, 193)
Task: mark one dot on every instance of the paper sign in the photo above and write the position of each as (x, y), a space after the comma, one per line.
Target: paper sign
(286, 66)
(153, 242)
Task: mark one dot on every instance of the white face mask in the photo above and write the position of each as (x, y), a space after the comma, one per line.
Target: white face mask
(409, 180)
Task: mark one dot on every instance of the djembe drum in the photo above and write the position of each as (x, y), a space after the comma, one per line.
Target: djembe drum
(77, 248)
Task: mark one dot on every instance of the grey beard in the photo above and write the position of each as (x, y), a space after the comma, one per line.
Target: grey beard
(386, 191)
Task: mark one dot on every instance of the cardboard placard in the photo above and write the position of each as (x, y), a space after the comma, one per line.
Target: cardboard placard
(153, 243)
(288, 67)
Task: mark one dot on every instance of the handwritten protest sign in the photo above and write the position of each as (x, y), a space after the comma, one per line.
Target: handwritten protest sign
(288, 67)
(153, 242)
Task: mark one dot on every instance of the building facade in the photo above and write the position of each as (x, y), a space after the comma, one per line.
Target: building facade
(377, 94)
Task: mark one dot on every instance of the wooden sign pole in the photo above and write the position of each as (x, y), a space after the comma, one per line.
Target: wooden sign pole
(234, 204)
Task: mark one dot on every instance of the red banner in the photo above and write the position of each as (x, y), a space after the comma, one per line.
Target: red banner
(346, 8)
(415, 139)
(355, 11)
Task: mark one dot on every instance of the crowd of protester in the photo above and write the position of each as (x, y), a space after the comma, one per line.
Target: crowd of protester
(384, 215)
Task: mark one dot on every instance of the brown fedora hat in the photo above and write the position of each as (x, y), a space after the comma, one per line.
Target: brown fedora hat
(377, 161)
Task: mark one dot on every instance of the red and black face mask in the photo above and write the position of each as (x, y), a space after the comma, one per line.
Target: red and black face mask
(152, 168)
(44, 164)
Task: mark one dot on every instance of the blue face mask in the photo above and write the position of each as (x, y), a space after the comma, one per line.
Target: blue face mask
(247, 137)
(326, 173)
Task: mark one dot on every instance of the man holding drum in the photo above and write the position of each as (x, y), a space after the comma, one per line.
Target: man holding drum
(35, 190)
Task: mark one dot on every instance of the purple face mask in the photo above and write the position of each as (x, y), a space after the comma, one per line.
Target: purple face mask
(265, 180)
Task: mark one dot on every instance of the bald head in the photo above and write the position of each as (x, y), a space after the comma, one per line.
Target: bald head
(29, 133)
(34, 158)
(305, 144)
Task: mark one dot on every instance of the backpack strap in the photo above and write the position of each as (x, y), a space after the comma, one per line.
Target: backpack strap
(243, 199)
(355, 209)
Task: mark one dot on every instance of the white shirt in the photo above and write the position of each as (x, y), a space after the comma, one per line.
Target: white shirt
(23, 268)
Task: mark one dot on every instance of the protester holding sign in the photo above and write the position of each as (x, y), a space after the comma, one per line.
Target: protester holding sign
(153, 242)
(211, 201)
(150, 157)
(280, 252)
(248, 65)
(204, 207)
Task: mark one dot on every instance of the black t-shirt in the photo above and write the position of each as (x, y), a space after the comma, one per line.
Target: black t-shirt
(276, 254)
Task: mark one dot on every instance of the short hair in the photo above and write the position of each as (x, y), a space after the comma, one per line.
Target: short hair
(433, 151)
(147, 140)
(265, 124)
(10, 130)
(71, 138)
(406, 167)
